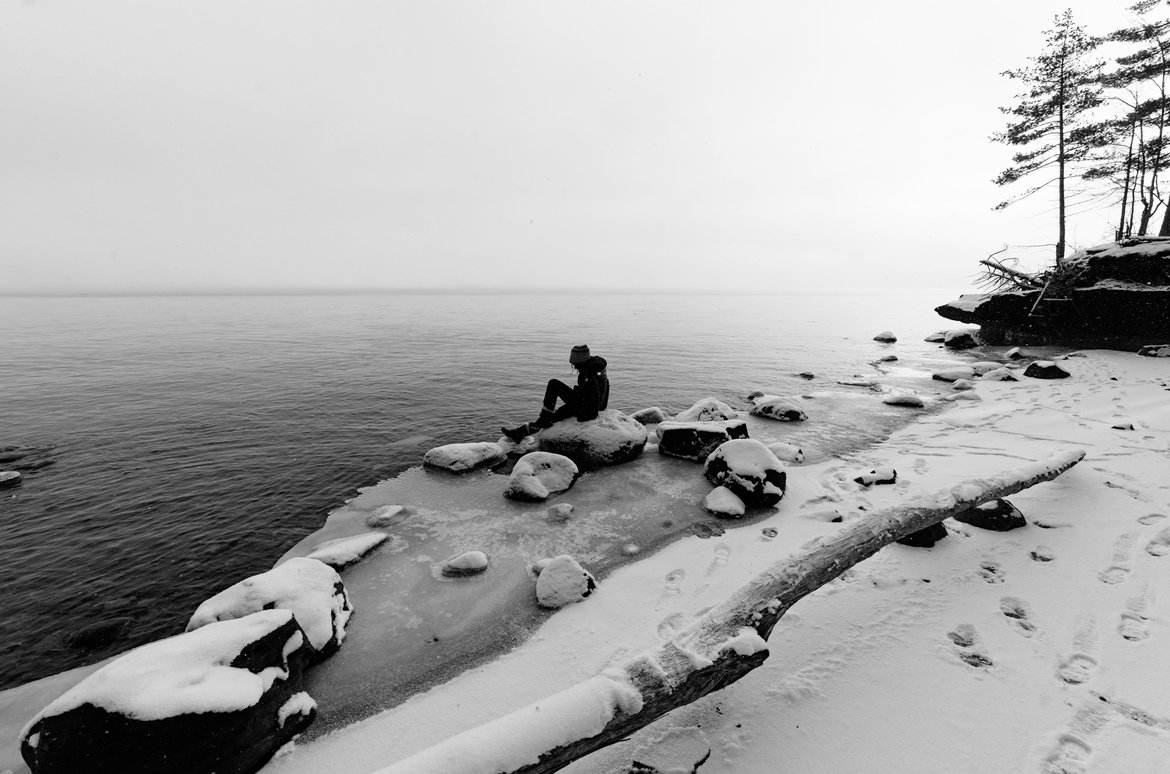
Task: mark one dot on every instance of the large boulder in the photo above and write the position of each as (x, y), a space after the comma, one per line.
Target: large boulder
(707, 410)
(749, 469)
(610, 439)
(562, 581)
(696, 440)
(463, 457)
(997, 516)
(311, 589)
(538, 475)
(1045, 369)
(221, 699)
(779, 408)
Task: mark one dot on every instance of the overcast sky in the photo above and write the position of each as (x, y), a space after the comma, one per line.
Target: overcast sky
(724, 145)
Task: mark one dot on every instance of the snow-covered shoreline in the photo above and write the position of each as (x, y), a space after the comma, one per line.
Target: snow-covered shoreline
(1030, 650)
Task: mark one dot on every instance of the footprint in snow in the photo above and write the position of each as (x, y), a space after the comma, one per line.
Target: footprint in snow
(921, 466)
(1119, 569)
(1017, 613)
(1151, 518)
(1160, 545)
(768, 533)
(1042, 554)
(1078, 667)
(670, 625)
(722, 554)
(1134, 624)
(990, 572)
(965, 638)
(674, 580)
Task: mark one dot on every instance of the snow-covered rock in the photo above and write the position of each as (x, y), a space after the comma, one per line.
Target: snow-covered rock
(883, 474)
(1013, 354)
(965, 395)
(997, 516)
(562, 581)
(310, 589)
(343, 552)
(886, 337)
(748, 468)
(999, 375)
(960, 340)
(696, 440)
(467, 563)
(610, 439)
(937, 337)
(540, 474)
(888, 359)
(983, 366)
(9, 478)
(963, 384)
(787, 451)
(707, 410)
(1155, 350)
(925, 538)
(385, 515)
(1045, 369)
(904, 399)
(650, 416)
(779, 408)
(216, 699)
(954, 374)
(559, 512)
(721, 501)
(517, 448)
(1122, 426)
(463, 457)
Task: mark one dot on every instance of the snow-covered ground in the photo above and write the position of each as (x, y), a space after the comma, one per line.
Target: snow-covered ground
(1036, 650)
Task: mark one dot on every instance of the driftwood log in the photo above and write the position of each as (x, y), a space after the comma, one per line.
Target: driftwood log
(712, 653)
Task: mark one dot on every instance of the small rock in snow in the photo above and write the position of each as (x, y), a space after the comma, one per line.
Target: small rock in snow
(904, 399)
(562, 582)
(997, 516)
(963, 384)
(925, 538)
(559, 512)
(886, 337)
(787, 452)
(879, 475)
(721, 501)
(1123, 426)
(467, 563)
(999, 375)
(954, 374)
(1045, 369)
(983, 366)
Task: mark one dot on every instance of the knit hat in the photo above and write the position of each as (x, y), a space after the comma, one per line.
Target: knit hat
(579, 354)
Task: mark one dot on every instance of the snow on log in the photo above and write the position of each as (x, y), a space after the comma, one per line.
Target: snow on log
(717, 649)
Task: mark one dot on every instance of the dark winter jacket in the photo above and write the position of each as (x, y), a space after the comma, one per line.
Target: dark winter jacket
(592, 390)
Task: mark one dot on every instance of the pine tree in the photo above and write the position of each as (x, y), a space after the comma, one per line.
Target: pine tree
(1051, 118)
(1143, 75)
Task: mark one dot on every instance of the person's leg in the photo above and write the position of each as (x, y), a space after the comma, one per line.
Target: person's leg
(556, 390)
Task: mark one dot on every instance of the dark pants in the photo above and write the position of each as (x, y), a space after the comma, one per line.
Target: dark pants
(549, 413)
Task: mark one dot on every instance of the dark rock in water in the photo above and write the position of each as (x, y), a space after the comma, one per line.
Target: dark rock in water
(960, 340)
(936, 338)
(9, 478)
(198, 703)
(886, 337)
(807, 375)
(1155, 350)
(925, 538)
(98, 635)
(707, 410)
(1045, 369)
(997, 516)
(696, 440)
(779, 408)
(1013, 354)
(749, 469)
(610, 439)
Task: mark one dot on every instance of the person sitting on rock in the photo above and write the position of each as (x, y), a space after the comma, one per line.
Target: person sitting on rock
(590, 396)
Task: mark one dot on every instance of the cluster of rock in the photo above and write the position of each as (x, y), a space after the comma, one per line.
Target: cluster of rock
(223, 696)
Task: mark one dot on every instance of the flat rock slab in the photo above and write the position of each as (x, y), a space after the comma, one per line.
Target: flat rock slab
(464, 457)
(343, 552)
(610, 439)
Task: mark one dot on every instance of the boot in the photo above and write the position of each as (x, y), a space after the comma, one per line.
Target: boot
(545, 419)
(517, 434)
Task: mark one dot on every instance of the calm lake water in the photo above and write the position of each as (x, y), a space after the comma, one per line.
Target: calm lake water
(172, 446)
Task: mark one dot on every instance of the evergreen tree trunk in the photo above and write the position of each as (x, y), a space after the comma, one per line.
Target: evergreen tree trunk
(1060, 163)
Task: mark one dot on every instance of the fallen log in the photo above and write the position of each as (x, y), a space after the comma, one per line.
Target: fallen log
(719, 648)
